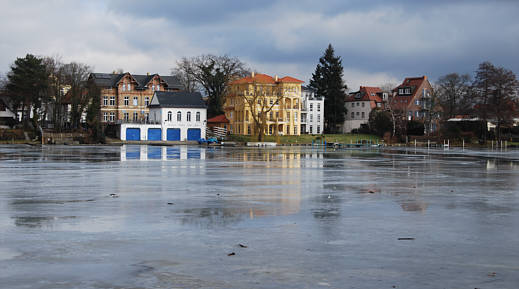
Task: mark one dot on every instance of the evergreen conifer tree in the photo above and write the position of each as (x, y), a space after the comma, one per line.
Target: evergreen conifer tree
(327, 82)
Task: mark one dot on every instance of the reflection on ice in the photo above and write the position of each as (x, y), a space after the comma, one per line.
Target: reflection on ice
(144, 152)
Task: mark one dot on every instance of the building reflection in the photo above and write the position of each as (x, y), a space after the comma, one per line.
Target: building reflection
(164, 153)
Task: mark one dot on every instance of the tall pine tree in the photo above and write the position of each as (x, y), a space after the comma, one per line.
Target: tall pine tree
(327, 82)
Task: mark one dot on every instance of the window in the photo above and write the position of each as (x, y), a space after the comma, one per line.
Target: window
(248, 129)
(311, 117)
(179, 116)
(188, 116)
(295, 129)
(311, 106)
(318, 107)
(358, 104)
(408, 90)
(318, 129)
(363, 104)
(295, 116)
(352, 115)
(311, 129)
(271, 101)
(105, 116)
(105, 100)
(112, 116)
(147, 101)
(417, 102)
(379, 104)
(124, 86)
(126, 100)
(198, 115)
(417, 113)
(270, 129)
(112, 100)
(135, 116)
(126, 116)
(363, 114)
(170, 115)
(147, 117)
(135, 101)
(358, 113)
(318, 118)
(129, 87)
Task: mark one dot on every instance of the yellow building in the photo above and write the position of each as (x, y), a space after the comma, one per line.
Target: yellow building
(276, 100)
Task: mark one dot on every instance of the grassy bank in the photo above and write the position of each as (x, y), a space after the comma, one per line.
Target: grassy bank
(307, 139)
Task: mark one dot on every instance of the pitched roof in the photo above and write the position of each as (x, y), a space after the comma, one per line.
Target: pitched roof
(181, 99)
(265, 79)
(111, 80)
(365, 93)
(290, 79)
(218, 119)
(412, 82)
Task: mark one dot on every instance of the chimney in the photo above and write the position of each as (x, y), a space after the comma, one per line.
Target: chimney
(276, 78)
(147, 73)
(252, 74)
(424, 77)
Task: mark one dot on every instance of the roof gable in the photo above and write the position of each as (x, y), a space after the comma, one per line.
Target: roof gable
(180, 99)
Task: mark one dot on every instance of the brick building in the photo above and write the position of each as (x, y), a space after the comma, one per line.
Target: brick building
(125, 97)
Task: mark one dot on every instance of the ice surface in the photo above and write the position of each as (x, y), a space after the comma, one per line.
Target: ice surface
(310, 218)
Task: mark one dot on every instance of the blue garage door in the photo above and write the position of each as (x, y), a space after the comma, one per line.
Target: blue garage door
(193, 134)
(154, 134)
(133, 134)
(173, 134)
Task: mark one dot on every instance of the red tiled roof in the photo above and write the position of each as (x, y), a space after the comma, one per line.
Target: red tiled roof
(290, 79)
(412, 82)
(265, 79)
(367, 94)
(218, 119)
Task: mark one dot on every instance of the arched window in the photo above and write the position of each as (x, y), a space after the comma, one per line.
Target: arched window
(179, 116)
(170, 115)
(188, 117)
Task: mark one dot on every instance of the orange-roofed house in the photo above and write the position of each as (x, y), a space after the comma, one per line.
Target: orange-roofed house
(278, 98)
(359, 104)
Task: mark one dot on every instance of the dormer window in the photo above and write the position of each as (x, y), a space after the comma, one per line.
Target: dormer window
(407, 90)
(400, 91)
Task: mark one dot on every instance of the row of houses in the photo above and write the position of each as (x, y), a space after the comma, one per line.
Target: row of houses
(155, 107)
(412, 98)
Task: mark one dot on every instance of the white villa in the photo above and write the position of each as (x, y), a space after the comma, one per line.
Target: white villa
(312, 112)
(174, 116)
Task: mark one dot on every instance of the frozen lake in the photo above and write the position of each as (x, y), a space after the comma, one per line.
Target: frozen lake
(309, 218)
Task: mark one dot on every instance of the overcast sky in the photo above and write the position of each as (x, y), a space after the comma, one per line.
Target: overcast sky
(379, 41)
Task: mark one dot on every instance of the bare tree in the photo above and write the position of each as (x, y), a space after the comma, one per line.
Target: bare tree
(56, 90)
(453, 93)
(260, 101)
(184, 66)
(388, 88)
(76, 75)
(496, 90)
(213, 73)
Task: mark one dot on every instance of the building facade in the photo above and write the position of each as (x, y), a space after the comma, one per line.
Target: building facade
(125, 97)
(173, 116)
(277, 99)
(359, 105)
(412, 100)
(312, 112)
